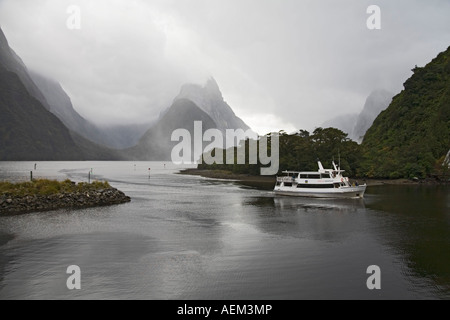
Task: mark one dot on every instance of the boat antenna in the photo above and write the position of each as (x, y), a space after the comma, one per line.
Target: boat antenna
(339, 155)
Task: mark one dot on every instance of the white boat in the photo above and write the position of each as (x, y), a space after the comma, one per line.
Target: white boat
(324, 183)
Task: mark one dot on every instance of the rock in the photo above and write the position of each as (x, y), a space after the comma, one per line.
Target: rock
(33, 203)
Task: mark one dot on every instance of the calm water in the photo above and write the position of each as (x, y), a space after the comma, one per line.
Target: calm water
(185, 237)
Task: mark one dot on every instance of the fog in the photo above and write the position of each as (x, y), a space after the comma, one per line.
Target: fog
(280, 64)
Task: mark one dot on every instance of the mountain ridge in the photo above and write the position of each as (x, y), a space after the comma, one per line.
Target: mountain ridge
(156, 144)
(29, 130)
(376, 102)
(60, 104)
(412, 136)
(357, 124)
(12, 62)
(209, 98)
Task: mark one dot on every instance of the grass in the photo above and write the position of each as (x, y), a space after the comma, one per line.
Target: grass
(48, 187)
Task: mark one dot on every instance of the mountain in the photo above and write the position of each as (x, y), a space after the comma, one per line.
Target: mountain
(194, 103)
(12, 62)
(412, 136)
(59, 103)
(356, 124)
(377, 101)
(28, 130)
(72, 137)
(209, 99)
(345, 123)
(156, 144)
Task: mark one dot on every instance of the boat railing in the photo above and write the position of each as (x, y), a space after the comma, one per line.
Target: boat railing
(285, 179)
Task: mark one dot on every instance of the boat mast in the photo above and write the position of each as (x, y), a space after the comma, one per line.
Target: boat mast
(339, 155)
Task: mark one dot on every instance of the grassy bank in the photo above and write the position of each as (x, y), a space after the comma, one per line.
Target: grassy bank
(46, 187)
(46, 195)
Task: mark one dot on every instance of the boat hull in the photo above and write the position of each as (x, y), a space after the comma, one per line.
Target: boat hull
(344, 192)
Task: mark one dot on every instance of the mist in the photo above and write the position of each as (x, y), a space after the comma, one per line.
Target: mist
(280, 64)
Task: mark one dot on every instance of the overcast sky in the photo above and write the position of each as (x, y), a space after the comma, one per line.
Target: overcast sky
(280, 64)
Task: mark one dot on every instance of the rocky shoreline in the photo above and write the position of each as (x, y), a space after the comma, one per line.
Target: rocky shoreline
(13, 205)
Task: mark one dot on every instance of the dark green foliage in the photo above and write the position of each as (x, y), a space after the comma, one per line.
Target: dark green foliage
(409, 138)
(301, 151)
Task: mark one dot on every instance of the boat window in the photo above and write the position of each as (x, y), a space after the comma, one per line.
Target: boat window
(303, 176)
(324, 175)
(288, 184)
(315, 186)
(314, 176)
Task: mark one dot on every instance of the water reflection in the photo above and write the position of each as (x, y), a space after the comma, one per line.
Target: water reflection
(194, 238)
(315, 219)
(335, 205)
(4, 239)
(103, 258)
(416, 224)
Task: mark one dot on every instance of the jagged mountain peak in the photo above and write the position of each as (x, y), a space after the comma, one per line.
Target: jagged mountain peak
(209, 98)
(210, 88)
(206, 97)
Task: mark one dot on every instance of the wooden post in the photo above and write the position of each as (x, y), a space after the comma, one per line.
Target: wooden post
(89, 177)
(31, 175)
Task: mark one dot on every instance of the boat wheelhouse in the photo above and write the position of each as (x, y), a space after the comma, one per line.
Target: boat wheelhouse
(324, 183)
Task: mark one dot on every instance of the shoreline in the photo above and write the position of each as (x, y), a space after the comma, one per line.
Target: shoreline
(265, 180)
(15, 204)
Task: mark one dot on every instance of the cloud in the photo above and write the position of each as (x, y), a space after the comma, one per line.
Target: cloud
(299, 62)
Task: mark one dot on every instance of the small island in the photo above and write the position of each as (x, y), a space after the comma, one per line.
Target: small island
(46, 195)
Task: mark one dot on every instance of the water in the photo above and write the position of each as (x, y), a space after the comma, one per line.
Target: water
(186, 237)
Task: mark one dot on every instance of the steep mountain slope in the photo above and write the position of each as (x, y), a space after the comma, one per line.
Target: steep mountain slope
(12, 62)
(27, 130)
(345, 123)
(60, 104)
(377, 101)
(118, 136)
(210, 100)
(156, 143)
(357, 124)
(408, 138)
